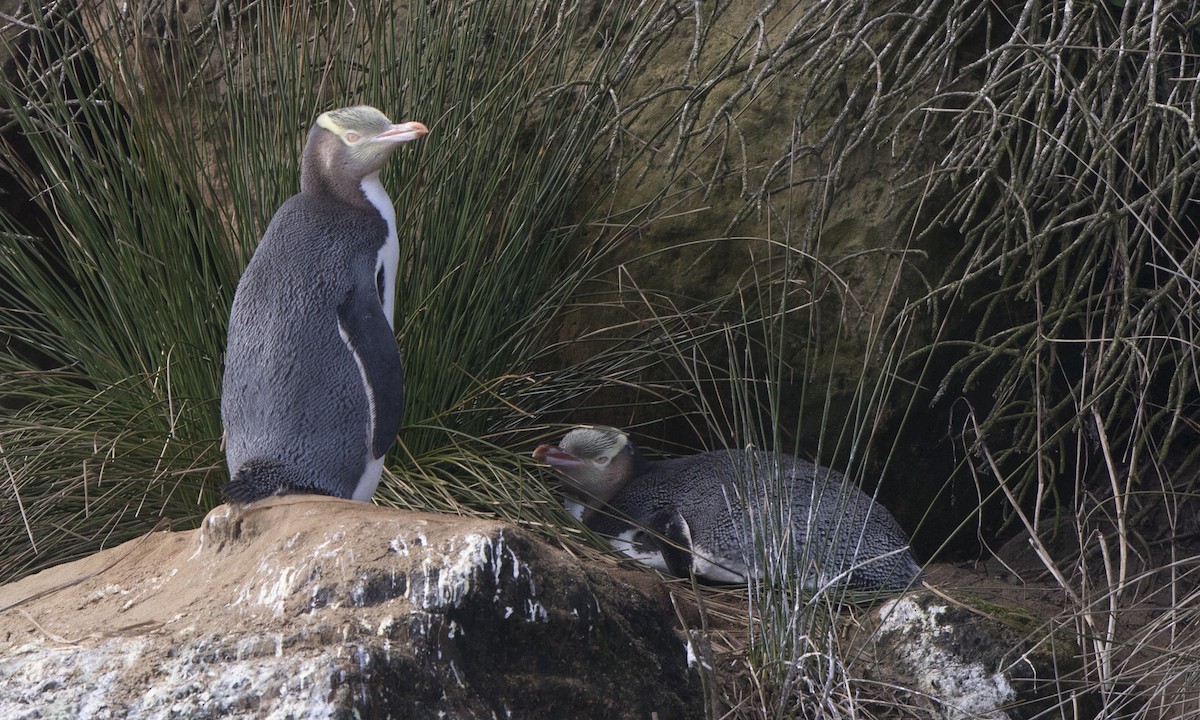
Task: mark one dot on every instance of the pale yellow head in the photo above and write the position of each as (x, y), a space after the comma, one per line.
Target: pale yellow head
(595, 460)
(349, 144)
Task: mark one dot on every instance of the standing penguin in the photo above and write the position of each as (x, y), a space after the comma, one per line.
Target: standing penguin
(697, 514)
(314, 390)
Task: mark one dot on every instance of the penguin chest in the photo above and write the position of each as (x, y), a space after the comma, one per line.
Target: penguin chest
(387, 261)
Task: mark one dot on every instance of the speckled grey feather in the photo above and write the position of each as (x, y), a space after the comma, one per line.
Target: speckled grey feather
(838, 534)
(293, 392)
(312, 365)
(710, 490)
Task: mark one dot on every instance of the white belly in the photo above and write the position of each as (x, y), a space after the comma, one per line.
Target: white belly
(369, 481)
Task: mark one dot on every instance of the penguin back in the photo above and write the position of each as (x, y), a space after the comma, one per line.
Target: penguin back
(735, 500)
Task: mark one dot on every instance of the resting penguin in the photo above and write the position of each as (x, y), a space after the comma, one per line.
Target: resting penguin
(314, 389)
(693, 514)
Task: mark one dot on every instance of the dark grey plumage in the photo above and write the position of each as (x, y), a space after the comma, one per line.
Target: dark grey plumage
(707, 504)
(313, 390)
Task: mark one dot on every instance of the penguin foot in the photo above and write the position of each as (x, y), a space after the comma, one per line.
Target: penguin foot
(257, 479)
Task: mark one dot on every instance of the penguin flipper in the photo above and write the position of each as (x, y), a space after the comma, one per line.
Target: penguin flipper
(673, 536)
(370, 339)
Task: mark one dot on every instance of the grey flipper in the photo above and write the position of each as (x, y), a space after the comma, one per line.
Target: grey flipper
(675, 543)
(370, 339)
(707, 514)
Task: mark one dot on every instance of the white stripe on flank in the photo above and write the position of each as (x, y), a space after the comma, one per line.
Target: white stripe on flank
(369, 480)
(627, 543)
(362, 374)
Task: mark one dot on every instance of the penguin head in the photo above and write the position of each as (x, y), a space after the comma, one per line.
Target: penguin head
(595, 460)
(349, 144)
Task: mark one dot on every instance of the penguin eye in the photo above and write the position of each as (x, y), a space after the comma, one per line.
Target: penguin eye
(602, 460)
(352, 137)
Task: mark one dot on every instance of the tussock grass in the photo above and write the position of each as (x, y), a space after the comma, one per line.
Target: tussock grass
(1055, 154)
(1071, 173)
(1043, 277)
(155, 153)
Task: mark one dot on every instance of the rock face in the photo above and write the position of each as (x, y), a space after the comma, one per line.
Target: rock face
(306, 607)
(976, 659)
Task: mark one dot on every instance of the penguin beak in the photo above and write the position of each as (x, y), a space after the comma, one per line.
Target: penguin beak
(554, 456)
(403, 132)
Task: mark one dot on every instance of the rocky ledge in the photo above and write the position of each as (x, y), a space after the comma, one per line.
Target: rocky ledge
(308, 607)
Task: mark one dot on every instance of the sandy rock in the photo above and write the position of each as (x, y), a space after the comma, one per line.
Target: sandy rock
(306, 607)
